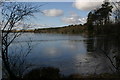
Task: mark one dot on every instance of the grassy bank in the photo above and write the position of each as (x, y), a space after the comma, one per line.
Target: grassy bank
(50, 73)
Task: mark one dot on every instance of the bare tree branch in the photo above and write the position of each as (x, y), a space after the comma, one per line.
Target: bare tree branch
(13, 14)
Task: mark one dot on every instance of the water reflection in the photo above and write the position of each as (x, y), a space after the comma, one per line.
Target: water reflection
(109, 47)
(0, 68)
(92, 64)
(70, 53)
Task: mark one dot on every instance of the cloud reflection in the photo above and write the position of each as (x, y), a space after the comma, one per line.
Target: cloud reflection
(52, 51)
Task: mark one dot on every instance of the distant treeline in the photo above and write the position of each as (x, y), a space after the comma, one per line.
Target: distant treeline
(71, 29)
(102, 20)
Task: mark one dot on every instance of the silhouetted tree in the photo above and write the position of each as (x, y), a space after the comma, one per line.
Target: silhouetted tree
(13, 14)
(90, 22)
(117, 11)
(99, 17)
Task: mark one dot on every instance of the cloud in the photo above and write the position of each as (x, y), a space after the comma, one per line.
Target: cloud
(53, 12)
(87, 5)
(74, 19)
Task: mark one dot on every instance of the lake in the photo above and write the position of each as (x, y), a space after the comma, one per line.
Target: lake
(72, 54)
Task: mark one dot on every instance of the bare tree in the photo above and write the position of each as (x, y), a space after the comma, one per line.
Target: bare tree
(117, 11)
(13, 14)
(19, 58)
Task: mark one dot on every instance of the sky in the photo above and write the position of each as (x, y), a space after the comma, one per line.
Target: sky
(56, 14)
(60, 13)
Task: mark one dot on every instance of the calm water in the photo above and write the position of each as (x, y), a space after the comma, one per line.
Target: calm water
(72, 54)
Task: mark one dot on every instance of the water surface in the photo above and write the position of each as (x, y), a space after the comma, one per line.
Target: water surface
(72, 54)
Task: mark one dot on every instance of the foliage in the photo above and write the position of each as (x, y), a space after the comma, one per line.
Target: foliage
(99, 17)
(45, 73)
(71, 29)
(51, 73)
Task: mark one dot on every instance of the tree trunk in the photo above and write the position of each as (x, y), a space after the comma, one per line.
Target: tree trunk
(7, 67)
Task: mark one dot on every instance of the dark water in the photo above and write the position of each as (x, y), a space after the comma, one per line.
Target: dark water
(72, 54)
